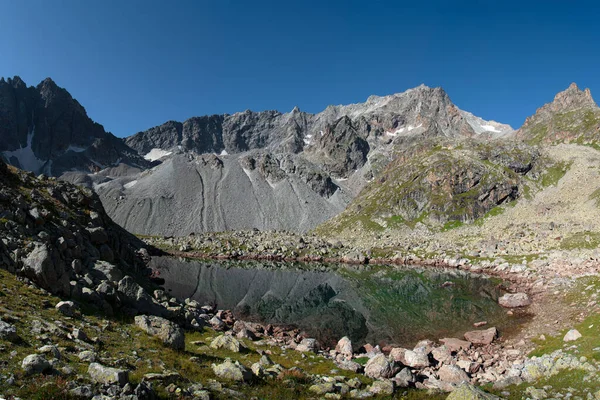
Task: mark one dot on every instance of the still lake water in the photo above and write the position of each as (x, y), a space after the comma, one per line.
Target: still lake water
(369, 304)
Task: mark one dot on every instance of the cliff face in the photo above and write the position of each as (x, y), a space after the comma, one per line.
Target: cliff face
(44, 130)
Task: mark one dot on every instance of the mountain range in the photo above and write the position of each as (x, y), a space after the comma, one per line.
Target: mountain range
(401, 161)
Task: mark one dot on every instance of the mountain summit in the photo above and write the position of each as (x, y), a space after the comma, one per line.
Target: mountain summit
(45, 130)
(572, 116)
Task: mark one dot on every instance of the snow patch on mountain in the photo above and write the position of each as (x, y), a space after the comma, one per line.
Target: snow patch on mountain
(481, 126)
(156, 154)
(26, 157)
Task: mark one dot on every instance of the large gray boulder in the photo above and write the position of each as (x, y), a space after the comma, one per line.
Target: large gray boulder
(482, 337)
(379, 367)
(135, 296)
(470, 392)
(452, 374)
(107, 375)
(232, 371)
(47, 270)
(513, 300)
(35, 364)
(8, 332)
(170, 333)
(227, 342)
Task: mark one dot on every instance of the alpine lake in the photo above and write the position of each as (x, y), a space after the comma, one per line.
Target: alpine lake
(385, 305)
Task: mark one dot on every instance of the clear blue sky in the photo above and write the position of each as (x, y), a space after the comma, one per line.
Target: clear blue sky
(137, 64)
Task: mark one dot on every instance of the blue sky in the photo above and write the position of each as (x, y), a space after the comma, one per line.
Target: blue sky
(138, 63)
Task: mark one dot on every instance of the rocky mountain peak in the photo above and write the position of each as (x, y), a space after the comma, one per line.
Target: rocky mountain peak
(572, 98)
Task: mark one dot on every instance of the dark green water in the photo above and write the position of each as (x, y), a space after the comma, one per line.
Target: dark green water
(375, 304)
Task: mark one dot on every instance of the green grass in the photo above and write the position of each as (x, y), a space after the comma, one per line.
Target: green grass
(452, 225)
(581, 240)
(554, 173)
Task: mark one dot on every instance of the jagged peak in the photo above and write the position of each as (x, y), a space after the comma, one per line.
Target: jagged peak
(572, 97)
(15, 81)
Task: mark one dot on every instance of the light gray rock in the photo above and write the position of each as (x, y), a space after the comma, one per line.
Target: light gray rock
(383, 387)
(170, 333)
(572, 335)
(50, 349)
(107, 375)
(47, 270)
(227, 342)
(320, 389)
(405, 378)
(482, 337)
(8, 332)
(514, 300)
(35, 364)
(344, 347)
(470, 392)
(308, 344)
(379, 367)
(417, 358)
(452, 374)
(232, 371)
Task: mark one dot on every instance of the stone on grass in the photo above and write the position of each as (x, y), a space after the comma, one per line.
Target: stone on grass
(308, 344)
(513, 300)
(470, 392)
(170, 333)
(35, 364)
(8, 332)
(321, 389)
(227, 342)
(483, 337)
(66, 308)
(383, 387)
(572, 335)
(232, 371)
(107, 375)
(344, 347)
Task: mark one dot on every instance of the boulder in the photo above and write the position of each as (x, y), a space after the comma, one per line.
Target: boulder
(66, 308)
(572, 335)
(513, 300)
(50, 349)
(170, 333)
(321, 389)
(379, 367)
(308, 345)
(47, 271)
(417, 358)
(35, 364)
(227, 342)
(344, 347)
(405, 378)
(454, 345)
(107, 375)
(232, 371)
(482, 337)
(135, 296)
(349, 365)
(383, 388)
(8, 332)
(441, 354)
(452, 374)
(470, 392)
(397, 354)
